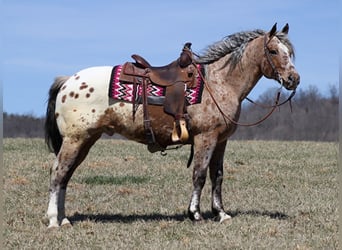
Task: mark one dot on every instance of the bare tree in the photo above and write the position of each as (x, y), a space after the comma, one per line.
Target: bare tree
(314, 117)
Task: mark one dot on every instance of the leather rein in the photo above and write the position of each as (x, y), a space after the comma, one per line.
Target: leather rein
(273, 107)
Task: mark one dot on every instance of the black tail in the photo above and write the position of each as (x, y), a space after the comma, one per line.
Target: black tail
(53, 138)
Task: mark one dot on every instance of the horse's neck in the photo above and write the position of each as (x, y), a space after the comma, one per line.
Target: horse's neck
(241, 80)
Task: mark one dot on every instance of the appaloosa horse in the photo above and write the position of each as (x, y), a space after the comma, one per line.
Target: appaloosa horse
(80, 110)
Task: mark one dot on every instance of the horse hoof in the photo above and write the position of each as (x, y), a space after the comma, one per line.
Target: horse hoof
(224, 218)
(66, 223)
(52, 227)
(196, 216)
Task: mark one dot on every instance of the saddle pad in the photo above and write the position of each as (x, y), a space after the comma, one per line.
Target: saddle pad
(124, 90)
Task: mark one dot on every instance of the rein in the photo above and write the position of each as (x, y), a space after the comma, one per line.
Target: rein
(231, 119)
(273, 107)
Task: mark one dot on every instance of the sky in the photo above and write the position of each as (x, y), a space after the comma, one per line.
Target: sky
(43, 39)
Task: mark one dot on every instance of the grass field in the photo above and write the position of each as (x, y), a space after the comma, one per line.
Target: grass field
(281, 195)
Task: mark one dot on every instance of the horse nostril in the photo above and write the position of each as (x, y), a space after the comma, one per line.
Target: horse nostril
(294, 79)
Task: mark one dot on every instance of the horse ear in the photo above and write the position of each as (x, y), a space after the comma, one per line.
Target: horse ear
(273, 30)
(285, 30)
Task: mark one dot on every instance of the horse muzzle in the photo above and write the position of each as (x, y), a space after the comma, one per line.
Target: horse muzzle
(292, 81)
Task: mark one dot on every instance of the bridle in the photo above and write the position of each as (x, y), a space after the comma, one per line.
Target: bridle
(273, 107)
(277, 78)
(269, 60)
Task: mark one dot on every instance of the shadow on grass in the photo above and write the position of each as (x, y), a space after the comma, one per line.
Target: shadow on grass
(112, 218)
(257, 213)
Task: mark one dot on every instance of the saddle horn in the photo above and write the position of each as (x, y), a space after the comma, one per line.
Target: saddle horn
(187, 46)
(186, 57)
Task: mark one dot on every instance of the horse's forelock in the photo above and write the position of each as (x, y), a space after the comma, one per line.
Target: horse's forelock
(285, 40)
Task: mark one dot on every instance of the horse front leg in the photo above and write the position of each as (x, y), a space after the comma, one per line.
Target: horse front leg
(216, 177)
(203, 150)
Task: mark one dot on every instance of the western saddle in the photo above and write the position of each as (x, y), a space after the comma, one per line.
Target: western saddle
(175, 77)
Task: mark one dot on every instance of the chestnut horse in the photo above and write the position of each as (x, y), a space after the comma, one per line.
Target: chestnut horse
(79, 111)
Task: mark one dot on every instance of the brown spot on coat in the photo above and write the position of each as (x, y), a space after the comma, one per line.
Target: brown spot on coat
(77, 77)
(56, 115)
(76, 96)
(121, 104)
(87, 95)
(91, 90)
(64, 87)
(83, 86)
(71, 94)
(63, 98)
(93, 110)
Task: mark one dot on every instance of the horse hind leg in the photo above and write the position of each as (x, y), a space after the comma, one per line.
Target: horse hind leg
(70, 156)
(216, 177)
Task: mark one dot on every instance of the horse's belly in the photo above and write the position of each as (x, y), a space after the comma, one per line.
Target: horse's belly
(120, 117)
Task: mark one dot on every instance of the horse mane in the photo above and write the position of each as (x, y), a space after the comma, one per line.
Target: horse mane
(235, 45)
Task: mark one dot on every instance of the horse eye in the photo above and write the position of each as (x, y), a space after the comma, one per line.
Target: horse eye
(273, 52)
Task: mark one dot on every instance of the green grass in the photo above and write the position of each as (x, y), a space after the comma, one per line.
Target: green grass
(281, 195)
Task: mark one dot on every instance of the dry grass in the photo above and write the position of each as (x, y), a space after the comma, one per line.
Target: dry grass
(282, 195)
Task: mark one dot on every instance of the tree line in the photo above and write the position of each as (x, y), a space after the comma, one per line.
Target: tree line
(310, 116)
(313, 117)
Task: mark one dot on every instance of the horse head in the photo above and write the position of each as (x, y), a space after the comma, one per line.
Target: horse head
(277, 62)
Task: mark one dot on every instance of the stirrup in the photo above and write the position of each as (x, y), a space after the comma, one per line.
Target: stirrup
(184, 135)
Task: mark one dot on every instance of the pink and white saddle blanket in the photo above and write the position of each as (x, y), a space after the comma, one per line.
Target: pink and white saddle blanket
(124, 91)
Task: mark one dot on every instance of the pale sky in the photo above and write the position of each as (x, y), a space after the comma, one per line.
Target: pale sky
(44, 39)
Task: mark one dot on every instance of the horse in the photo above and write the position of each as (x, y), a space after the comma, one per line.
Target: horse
(79, 111)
